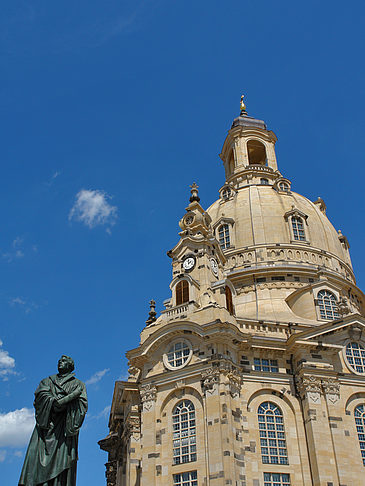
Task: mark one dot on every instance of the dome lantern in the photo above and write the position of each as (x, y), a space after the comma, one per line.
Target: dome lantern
(249, 148)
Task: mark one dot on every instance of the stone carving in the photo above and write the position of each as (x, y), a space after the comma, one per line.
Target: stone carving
(210, 379)
(133, 427)
(331, 388)
(133, 373)
(60, 407)
(343, 306)
(111, 473)
(310, 386)
(148, 396)
(180, 384)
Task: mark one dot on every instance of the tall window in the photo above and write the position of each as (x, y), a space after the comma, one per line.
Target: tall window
(229, 301)
(264, 181)
(223, 236)
(276, 479)
(298, 228)
(182, 292)
(272, 434)
(360, 427)
(184, 433)
(327, 304)
(186, 479)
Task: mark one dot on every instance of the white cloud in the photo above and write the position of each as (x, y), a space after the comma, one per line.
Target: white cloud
(16, 427)
(7, 363)
(93, 209)
(2, 455)
(97, 376)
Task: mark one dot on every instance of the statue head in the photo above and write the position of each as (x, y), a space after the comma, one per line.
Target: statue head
(65, 364)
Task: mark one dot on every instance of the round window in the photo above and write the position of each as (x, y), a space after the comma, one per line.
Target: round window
(178, 354)
(354, 354)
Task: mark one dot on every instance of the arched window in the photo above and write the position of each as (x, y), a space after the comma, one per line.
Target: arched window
(284, 186)
(272, 434)
(264, 181)
(360, 427)
(223, 236)
(229, 301)
(256, 153)
(327, 304)
(184, 432)
(298, 228)
(182, 292)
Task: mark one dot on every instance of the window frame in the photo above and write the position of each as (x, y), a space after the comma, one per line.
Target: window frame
(345, 357)
(295, 213)
(181, 284)
(360, 435)
(226, 235)
(272, 367)
(183, 482)
(183, 438)
(318, 306)
(272, 481)
(229, 299)
(273, 431)
(167, 351)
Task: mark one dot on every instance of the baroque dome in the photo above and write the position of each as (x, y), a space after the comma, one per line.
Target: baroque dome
(259, 216)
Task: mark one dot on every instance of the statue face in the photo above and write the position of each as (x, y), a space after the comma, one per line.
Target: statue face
(63, 364)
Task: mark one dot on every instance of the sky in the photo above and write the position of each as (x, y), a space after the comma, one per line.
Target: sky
(110, 110)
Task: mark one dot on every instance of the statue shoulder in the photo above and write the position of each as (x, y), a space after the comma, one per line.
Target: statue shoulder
(80, 383)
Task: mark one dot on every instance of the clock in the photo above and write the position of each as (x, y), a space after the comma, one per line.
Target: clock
(189, 263)
(214, 266)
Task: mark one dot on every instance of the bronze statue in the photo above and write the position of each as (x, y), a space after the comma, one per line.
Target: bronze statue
(60, 407)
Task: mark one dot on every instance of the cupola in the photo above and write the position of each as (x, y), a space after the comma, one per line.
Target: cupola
(249, 150)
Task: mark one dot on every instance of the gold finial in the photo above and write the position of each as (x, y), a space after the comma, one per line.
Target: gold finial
(243, 106)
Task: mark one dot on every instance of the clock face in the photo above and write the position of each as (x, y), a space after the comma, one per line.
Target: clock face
(189, 263)
(214, 266)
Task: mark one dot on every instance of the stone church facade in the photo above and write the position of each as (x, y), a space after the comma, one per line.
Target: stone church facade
(254, 373)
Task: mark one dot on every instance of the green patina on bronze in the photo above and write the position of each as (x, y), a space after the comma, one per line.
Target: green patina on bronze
(60, 408)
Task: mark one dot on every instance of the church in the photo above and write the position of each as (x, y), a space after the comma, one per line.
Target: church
(254, 372)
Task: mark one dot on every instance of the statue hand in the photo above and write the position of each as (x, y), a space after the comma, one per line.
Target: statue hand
(58, 405)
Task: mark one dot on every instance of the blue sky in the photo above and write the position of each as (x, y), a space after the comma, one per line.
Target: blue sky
(110, 110)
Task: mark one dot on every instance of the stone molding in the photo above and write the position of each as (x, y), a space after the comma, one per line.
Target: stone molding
(148, 396)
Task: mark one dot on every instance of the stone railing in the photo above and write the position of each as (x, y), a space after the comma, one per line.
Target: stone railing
(288, 255)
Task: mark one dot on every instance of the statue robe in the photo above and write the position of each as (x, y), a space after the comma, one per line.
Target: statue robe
(51, 457)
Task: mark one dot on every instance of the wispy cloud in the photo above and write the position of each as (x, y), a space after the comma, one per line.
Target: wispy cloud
(96, 377)
(7, 364)
(16, 427)
(27, 305)
(16, 250)
(93, 209)
(53, 177)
